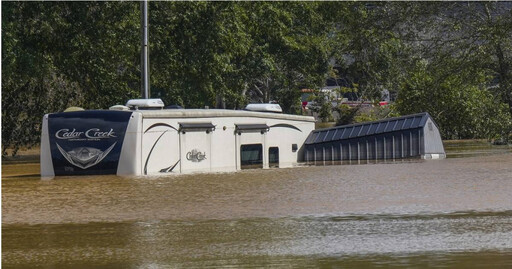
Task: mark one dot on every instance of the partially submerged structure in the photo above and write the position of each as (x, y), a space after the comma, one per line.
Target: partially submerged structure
(412, 136)
(144, 139)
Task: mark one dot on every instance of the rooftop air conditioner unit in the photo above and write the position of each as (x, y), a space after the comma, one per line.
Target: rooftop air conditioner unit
(145, 103)
(276, 108)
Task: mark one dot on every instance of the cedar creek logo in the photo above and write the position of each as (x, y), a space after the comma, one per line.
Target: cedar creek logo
(196, 156)
(84, 157)
(91, 134)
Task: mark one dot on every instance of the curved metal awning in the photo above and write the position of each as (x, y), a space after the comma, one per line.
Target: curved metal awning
(255, 127)
(196, 126)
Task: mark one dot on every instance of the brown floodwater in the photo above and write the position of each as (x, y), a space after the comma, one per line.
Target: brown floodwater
(455, 212)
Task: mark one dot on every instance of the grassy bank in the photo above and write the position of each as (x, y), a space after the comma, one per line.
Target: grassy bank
(24, 164)
(22, 156)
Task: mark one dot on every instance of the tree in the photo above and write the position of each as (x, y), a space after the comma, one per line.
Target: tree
(221, 54)
(443, 58)
(456, 65)
(450, 59)
(196, 52)
(289, 51)
(56, 55)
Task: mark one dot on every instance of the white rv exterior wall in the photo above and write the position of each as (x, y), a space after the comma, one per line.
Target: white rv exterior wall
(196, 142)
(159, 145)
(223, 146)
(130, 158)
(163, 145)
(283, 138)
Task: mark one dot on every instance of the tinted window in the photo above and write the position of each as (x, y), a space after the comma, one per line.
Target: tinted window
(294, 147)
(273, 157)
(251, 156)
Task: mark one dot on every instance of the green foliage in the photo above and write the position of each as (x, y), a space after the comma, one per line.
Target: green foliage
(450, 59)
(56, 55)
(377, 113)
(453, 60)
(346, 114)
(195, 52)
(322, 106)
(367, 48)
(222, 54)
(350, 115)
(459, 102)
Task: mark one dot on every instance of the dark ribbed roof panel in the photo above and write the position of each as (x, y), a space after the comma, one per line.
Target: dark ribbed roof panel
(400, 124)
(381, 127)
(321, 136)
(391, 126)
(373, 128)
(339, 133)
(329, 135)
(311, 138)
(365, 129)
(416, 122)
(368, 128)
(347, 132)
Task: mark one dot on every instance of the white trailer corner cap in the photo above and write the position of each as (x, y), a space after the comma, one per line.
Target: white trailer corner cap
(145, 103)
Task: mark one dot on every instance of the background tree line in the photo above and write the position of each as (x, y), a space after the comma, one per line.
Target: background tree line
(452, 60)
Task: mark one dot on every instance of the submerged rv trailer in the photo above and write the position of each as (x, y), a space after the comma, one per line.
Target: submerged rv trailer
(142, 138)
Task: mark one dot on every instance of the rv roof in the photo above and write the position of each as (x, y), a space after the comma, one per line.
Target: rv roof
(211, 113)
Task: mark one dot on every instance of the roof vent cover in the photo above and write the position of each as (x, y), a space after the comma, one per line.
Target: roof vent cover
(145, 103)
(276, 108)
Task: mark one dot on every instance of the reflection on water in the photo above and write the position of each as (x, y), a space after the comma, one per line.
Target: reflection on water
(265, 241)
(455, 212)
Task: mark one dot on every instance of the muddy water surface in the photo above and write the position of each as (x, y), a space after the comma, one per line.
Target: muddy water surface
(455, 212)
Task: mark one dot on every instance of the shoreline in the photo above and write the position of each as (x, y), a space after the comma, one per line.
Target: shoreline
(20, 170)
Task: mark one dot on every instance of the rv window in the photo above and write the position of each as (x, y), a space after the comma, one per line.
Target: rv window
(251, 156)
(273, 157)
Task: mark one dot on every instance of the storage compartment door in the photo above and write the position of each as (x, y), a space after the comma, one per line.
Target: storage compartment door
(160, 147)
(195, 151)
